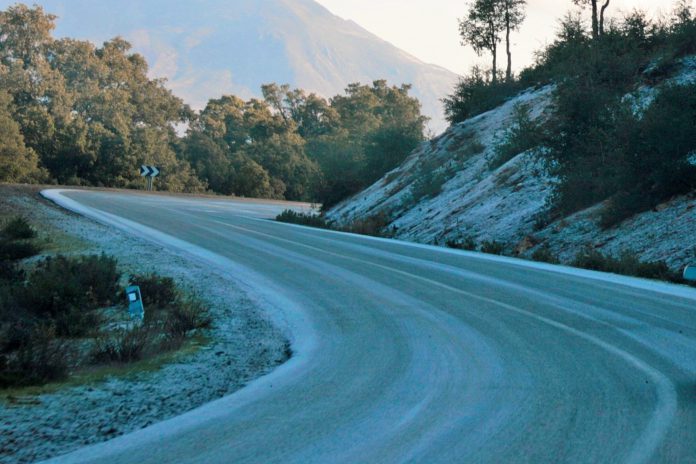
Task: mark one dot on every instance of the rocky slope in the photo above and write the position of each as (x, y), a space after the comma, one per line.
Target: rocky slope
(446, 191)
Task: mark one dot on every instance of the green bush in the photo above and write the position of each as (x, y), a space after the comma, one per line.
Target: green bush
(492, 247)
(17, 249)
(522, 135)
(467, 243)
(305, 219)
(476, 93)
(187, 315)
(544, 255)
(428, 184)
(626, 264)
(375, 225)
(67, 290)
(41, 358)
(122, 346)
(18, 229)
(156, 291)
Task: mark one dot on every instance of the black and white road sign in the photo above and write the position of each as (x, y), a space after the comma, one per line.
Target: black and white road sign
(149, 171)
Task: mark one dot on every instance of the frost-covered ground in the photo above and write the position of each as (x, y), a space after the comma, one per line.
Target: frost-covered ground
(243, 346)
(503, 204)
(475, 201)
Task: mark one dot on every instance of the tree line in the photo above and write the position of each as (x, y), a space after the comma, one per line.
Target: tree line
(75, 113)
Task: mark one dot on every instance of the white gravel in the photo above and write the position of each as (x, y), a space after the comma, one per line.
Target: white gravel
(243, 345)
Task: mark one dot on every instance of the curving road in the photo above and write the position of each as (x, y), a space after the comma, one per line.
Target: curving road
(411, 353)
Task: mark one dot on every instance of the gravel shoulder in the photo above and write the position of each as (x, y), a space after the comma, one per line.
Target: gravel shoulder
(242, 345)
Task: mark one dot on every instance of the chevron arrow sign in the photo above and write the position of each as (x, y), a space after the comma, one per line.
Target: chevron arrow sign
(149, 171)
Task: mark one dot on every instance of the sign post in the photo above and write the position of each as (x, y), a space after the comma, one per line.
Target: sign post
(149, 173)
(135, 303)
(690, 273)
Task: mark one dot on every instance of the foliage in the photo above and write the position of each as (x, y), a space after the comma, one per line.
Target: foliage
(626, 264)
(467, 243)
(16, 250)
(187, 315)
(39, 358)
(67, 290)
(492, 247)
(156, 291)
(428, 184)
(543, 254)
(121, 346)
(521, 135)
(305, 219)
(476, 93)
(18, 229)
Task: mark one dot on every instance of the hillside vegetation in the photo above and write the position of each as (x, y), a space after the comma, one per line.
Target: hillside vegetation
(578, 150)
(79, 114)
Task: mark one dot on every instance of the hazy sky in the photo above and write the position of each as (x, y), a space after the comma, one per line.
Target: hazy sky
(428, 28)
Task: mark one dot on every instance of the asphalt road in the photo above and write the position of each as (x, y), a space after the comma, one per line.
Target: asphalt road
(408, 353)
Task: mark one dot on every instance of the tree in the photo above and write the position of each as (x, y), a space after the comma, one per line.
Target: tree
(481, 29)
(514, 15)
(597, 15)
(17, 162)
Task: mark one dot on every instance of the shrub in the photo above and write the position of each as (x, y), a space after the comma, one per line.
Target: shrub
(40, 359)
(522, 135)
(375, 225)
(428, 184)
(305, 219)
(544, 255)
(18, 229)
(122, 346)
(156, 291)
(67, 290)
(17, 250)
(187, 315)
(59, 284)
(467, 243)
(627, 264)
(492, 247)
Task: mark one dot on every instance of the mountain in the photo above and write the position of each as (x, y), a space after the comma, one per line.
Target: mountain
(206, 48)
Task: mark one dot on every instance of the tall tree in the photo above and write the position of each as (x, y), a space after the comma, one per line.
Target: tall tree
(597, 15)
(481, 29)
(514, 15)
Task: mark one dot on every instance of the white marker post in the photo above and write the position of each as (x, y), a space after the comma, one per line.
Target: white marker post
(690, 273)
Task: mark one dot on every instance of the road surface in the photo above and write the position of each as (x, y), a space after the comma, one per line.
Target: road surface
(410, 353)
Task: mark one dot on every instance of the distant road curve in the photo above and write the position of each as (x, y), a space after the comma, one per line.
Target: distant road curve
(412, 353)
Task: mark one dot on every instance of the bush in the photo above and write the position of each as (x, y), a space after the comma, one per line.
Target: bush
(17, 250)
(428, 184)
(305, 219)
(524, 134)
(476, 94)
(122, 346)
(156, 291)
(40, 359)
(18, 229)
(626, 264)
(375, 225)
(467, 243)
(67, 290)
(187, 315)
(544, 255)
(492, 247)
